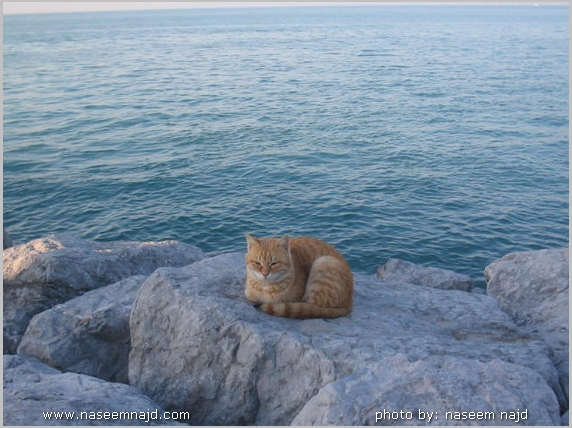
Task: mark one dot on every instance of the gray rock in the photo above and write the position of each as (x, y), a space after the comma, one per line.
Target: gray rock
(401, 271)
(426, 392)
(64, 260)
(32, 388)
(88, 334)
(47, 271)
(533, 288)
(198, 345)
(565, 420)
(7, 241)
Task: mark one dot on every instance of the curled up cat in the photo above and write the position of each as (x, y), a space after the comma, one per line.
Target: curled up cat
(299, 277)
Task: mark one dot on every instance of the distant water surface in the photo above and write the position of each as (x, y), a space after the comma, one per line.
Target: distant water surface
(434, 134)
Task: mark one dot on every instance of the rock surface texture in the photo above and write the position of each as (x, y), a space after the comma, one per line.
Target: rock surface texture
(533, 288)
(32, 388)
(404, 272)
(199, 346)
(88, 334)
(187, 340)
(47, 271)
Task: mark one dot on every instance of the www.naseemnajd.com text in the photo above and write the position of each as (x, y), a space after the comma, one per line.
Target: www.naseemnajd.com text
(140, 416)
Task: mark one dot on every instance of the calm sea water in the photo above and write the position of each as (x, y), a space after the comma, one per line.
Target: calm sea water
(434, 134)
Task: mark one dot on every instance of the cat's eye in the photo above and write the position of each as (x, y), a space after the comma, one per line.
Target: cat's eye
(257, 264)
(272, 264)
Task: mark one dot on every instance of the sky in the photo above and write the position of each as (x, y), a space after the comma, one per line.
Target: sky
(47, 7)
(9, 8)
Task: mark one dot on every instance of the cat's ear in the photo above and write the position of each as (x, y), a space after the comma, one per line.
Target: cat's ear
(250, 241)
(284, 242)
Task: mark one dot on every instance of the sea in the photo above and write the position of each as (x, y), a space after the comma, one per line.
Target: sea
(434, 134)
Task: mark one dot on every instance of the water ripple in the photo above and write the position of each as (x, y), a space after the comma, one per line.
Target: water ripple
(444, 142)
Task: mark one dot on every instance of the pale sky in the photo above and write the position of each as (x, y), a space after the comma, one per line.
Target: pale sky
(9, 8)
(50, 7)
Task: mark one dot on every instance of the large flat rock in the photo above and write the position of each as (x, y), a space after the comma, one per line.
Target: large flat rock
(198, 345)
(51, 270)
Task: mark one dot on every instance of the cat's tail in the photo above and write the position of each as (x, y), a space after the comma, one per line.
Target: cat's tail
(302, 310)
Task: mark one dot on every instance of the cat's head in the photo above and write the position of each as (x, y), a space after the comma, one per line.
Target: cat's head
(268, 259)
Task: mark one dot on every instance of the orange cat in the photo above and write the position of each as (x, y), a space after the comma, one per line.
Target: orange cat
(298, 278)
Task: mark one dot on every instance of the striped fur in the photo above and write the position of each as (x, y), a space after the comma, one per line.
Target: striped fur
(302, 310)
(298, 278)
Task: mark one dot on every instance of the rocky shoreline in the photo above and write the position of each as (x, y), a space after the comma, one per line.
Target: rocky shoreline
(130, 332)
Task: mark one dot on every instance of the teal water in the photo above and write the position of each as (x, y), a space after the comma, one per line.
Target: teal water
(434, 134)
